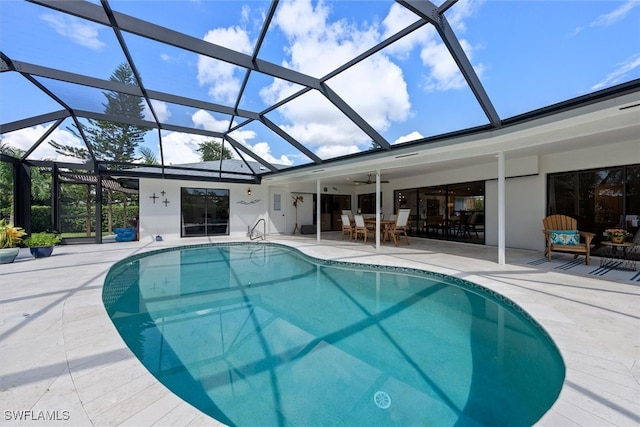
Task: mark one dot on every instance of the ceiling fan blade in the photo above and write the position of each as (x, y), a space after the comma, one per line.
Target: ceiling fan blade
(369, 182)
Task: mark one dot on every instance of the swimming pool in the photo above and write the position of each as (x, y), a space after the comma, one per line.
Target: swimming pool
(261, 334)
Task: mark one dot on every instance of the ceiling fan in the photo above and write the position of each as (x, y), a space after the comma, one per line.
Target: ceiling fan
(369, 181)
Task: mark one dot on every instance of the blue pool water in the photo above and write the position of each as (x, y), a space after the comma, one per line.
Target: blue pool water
(262, 335)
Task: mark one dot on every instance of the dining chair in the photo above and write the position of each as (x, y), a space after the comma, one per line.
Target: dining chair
(361, 227)
(349, 214)
(346, 227)
(400, 227)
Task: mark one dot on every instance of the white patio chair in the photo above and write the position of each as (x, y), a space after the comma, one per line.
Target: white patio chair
(400, 227)
(349, 214)
(361, 227)
(346, 227)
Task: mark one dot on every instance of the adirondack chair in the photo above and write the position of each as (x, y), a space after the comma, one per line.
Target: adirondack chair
(562, 235)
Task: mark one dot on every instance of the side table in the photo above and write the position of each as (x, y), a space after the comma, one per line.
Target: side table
(619, 252)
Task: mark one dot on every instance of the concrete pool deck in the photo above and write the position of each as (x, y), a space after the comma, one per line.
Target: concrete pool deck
(61, 357)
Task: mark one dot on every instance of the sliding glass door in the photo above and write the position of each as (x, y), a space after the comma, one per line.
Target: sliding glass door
(451, 212)
(204, 211)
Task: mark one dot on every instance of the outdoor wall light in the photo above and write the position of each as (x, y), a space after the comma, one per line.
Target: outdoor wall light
(248, 191)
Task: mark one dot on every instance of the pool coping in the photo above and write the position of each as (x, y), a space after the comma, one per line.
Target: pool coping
(61, 352)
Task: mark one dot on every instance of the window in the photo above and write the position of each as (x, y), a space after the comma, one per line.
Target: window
(597, 198)
(204, 211)
(367, 203)
(277, 205)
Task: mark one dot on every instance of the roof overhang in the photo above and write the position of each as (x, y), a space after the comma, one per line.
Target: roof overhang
(593, 122)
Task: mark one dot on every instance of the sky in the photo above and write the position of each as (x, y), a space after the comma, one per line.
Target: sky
(527, 55)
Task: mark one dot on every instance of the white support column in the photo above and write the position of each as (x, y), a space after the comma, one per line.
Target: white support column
(377, 210)
(318, 223)
(501, 209)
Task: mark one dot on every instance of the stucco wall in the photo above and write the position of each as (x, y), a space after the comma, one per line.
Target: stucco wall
(525, 189)
(158, 219)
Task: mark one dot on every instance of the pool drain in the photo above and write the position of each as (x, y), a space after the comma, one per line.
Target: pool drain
(382, 399)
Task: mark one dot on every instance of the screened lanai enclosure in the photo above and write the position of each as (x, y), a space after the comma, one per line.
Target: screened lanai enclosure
(97, 94)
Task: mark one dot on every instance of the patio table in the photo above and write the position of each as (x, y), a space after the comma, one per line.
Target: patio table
(385, 226)
(619, 252)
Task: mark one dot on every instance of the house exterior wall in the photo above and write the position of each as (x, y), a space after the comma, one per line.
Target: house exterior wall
(525, 188)
(158, 219)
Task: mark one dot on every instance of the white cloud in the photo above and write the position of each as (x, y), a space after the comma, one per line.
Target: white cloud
(298, 19)
(608, 19)
(168, 58)
(205, 120)
(618, 75)
(329, 151)
(462, 10)
(80, 32)
(444, 73)
(182, 148)
(261, 148)
(246, 11)
(312, 119)
(311, 35)
(264, 151)
(410, 137)
(179, 148)
(397, 19)
(24, 139)
(222, 78)
(161, 109)
(616, 15)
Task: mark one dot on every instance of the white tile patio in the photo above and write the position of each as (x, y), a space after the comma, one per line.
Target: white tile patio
(60, 353)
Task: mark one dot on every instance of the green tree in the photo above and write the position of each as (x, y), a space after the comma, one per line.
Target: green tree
(213, 150)
(40, 184)
(6, 183)
(111, 140)
(148, 156)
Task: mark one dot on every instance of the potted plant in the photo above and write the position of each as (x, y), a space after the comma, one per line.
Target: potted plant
(617, 235)
(10, 237)
(41, 244)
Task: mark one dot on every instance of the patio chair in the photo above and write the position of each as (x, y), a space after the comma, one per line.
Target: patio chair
(346, 227)
(348, 213)
(562, 235)
(400, 227)
(475, 224)
(361, 228)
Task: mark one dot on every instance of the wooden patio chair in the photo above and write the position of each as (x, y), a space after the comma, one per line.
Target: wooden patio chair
(349, 214)
(562, 235)
(400, 227)
(346, 227)
(361, 228)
